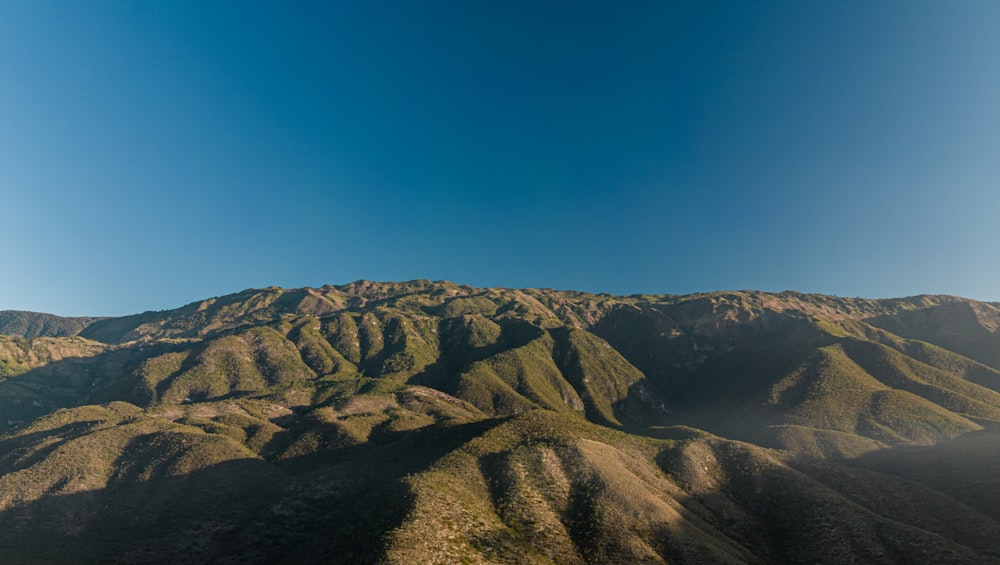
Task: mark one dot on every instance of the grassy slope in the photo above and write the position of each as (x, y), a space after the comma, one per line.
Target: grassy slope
(496, 408)
(33, 324)
(544, 488)
(19, 354)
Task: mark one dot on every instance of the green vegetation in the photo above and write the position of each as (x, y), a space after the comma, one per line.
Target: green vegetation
(432, 422)
(33, 324)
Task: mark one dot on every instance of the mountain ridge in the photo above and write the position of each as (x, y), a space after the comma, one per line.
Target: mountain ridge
(17, 322)
(36, 324)
(364, 290)
(523, 425)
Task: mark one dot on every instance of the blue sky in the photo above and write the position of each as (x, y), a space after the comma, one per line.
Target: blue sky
(156, 153)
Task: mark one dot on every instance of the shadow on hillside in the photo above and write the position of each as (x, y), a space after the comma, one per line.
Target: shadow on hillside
(175, 518)
(385, 453)
(77, 381)
(458, 357)
(11, 458)
(809, 510)
(331, 507)
(966, 467)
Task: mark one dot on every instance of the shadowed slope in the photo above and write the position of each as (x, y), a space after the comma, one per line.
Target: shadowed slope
(34, 324)
(434, 422)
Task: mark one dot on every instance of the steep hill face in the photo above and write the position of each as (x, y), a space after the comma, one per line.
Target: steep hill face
(804, 373)
(34, 324)
(434, 422)
(963, 326)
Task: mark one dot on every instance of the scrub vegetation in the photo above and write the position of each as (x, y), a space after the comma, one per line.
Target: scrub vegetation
(430, 422)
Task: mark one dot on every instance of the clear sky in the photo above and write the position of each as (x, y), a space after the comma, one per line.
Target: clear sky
(157, 153)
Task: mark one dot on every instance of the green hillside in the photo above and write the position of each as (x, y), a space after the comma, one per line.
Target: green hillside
(428, 422)
(34, 324)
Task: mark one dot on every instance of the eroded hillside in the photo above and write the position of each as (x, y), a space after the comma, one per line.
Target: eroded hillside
(434, 422)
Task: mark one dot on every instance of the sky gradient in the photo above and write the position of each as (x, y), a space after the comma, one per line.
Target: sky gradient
(157, 153)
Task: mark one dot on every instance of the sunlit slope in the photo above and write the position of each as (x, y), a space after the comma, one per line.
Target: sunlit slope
(433, 422)
(502, 364)
(118, 483)
(786, 369)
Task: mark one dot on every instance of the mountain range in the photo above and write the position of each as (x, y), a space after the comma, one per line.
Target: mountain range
(431, 422)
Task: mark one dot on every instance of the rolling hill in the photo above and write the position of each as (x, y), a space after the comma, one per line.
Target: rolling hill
(420, 421)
